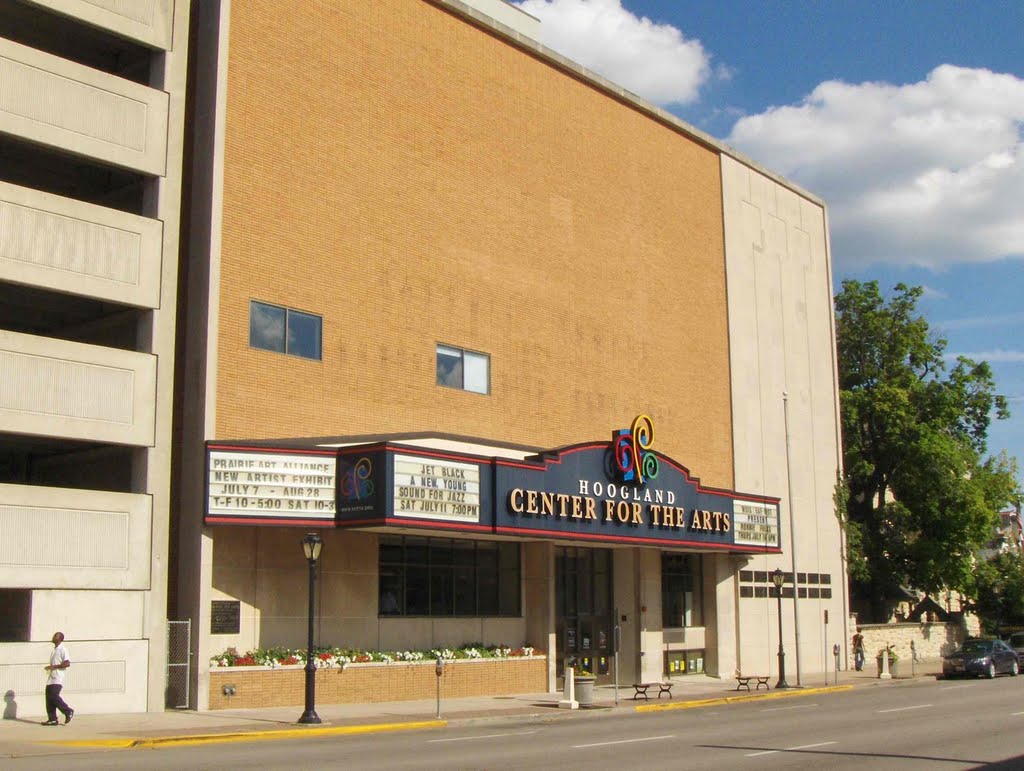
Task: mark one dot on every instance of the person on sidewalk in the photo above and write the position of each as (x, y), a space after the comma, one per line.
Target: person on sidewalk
(858, 650)
(59, 662)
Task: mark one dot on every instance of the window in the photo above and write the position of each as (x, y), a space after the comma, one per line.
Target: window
(447, 577)
(15, 614)
(284, 330)
(466, 370)
(682, 589)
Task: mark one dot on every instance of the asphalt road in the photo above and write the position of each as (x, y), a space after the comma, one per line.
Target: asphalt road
(921, 724)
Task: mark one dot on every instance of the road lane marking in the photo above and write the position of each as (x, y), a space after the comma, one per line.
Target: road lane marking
(790, 749)
(624, 741)
(954, 687)
(474, 738)
(1013, 714)
(783, 709)
(902, 709)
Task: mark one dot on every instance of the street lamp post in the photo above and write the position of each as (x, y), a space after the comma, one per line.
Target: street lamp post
(311, 546)
(779, 578)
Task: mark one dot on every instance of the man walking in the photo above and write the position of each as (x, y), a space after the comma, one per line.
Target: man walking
(59, 661)
(858, 650)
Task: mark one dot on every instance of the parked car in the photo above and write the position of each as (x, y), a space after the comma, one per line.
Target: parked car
(981, 657)
(1016, 642)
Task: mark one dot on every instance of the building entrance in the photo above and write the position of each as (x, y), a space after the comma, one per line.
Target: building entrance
(583, 606)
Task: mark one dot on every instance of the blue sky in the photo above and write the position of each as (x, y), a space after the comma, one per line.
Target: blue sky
(906, 117)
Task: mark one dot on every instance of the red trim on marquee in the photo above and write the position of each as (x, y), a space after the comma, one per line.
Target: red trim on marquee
(575, 536)
(283, 450)
(228, 520)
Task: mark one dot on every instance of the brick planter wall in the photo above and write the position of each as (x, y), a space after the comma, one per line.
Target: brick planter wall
(364, 683)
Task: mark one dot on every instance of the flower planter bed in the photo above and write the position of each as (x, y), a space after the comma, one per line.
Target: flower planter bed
(257, 686)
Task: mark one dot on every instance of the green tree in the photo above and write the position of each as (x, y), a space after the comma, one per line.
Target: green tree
(922, 496)
(999, 589)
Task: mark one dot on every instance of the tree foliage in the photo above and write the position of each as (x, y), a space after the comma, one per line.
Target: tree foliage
(922, 496)
(999, 589)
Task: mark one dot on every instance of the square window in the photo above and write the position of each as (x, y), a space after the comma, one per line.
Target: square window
(465, 370)
(304, 335)
(475, 369)
(266, 326)
(283, 330)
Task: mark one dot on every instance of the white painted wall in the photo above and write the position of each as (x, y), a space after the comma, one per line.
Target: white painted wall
(59, 388)
(147, 21)
(105, 676)
(782, 341)
(66, 105)
(78, 248)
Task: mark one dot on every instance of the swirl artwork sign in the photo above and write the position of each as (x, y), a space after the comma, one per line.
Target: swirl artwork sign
(634, 459)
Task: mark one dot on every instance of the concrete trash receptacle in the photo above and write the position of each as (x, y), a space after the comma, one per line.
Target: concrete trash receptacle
(585, 690)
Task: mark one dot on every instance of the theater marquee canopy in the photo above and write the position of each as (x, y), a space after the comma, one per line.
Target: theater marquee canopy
(619, 491)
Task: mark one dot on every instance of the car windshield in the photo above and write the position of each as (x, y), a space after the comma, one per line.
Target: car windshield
(976, 646)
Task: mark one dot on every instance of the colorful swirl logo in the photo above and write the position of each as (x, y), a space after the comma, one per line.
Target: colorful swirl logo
(632, 449)
(355, 480)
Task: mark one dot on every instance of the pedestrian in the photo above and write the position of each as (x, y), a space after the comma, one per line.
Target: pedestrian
(858, 650)
(59, 662)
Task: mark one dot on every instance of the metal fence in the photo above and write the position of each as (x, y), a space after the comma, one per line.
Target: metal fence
(179, 658)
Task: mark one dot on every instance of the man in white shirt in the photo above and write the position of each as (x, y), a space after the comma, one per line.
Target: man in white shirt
(59, 661)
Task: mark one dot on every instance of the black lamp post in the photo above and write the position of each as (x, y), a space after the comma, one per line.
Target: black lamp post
(311, 545)
(779, 578)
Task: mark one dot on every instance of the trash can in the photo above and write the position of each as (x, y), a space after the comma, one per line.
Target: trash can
(585, 690)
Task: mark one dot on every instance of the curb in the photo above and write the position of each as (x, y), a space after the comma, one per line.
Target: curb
(248, 736)
(787, 694)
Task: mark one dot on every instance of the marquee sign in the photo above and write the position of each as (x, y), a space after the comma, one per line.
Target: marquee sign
(622, 491)
(245, 485)
(570, 494)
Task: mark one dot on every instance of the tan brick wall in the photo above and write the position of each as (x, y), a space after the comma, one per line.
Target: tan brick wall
(417, 180)
(931, 641)
(376, 683)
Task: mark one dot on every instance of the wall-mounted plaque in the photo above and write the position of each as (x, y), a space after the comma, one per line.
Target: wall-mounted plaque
(225, 617)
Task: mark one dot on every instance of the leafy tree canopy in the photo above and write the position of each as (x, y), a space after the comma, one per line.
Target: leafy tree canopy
(999, 588)
(922, 497)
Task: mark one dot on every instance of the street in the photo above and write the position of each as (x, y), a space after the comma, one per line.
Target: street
(922, 724)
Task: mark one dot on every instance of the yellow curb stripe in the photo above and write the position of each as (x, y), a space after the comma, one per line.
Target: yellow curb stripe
(249, 736)
(738, 699)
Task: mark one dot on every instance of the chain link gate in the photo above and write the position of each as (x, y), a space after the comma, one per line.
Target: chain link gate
(179, 657)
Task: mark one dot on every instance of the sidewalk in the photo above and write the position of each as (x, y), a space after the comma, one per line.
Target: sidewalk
(24, 736)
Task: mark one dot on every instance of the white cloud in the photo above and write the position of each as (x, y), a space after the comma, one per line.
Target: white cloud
(652, 60)
(931, 293)
(973, 322)
(928, 173)
(997, 355)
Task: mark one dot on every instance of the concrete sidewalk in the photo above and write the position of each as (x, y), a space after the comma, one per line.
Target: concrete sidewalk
(25, 736)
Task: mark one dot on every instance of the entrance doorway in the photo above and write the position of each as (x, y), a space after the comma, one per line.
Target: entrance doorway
(584, 611)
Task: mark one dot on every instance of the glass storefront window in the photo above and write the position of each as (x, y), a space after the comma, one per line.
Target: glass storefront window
(682, 590)
(447, 577)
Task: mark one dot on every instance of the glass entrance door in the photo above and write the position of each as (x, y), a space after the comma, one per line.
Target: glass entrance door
(583, 606)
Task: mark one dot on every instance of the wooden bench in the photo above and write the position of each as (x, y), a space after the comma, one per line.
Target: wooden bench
(743, 681)
(640, 689)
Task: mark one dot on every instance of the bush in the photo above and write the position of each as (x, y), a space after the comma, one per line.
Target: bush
(339, 657)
